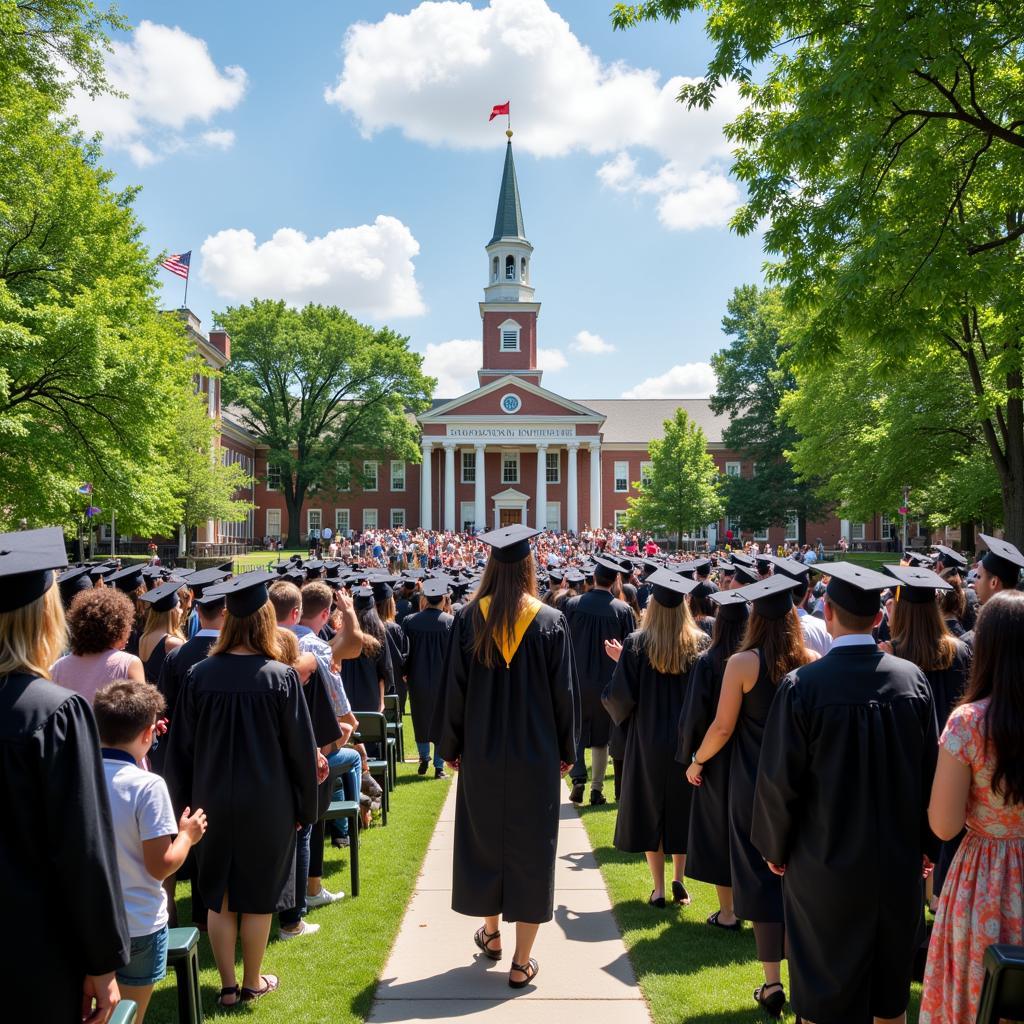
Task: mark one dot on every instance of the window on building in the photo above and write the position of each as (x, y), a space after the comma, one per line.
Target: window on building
(620, 518)
(370, 476)
(732, 469)
(761, 534)
(211, 393)
(621, 477)
(273, 477)
(857, 531)
(510, 336)
(342, 521)
(369, 519)
(397, 475)
(522, 268)
(553, 467)
(698, 533)
(888, 530)
(468, 467)
(494, 269)
(510, 268)
(553, 517)
(314, 522)
(397, 518)
(510, 467)
(732, 523)
(645, 473)
(273, 522)
(343, 476)
(792, 525)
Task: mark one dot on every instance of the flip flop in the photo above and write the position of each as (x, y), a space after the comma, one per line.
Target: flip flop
(231, 990)
(270, 984)
(714, 922)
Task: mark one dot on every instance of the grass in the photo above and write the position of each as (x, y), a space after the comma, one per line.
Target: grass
(872, 559)
(261, 559)
(687, 970)
(333, 975)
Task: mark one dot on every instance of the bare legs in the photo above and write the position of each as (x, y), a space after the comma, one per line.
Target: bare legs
(224, 931)
(140, 996)
(526, 935)
(656, 865)
(726, 915)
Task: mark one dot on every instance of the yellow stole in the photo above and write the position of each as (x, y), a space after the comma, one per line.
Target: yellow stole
(508, 645)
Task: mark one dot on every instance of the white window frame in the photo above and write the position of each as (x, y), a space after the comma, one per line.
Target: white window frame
(553, 467)
(344, 471)
(397, 474)
(342, 521)
(553, 516)
(369, 519)
(858, 531)
(617, 477)
(620, 515)
(467, 462)
(733, 468)
(273, 512)
(274, 474)
(510, 327)
(397, 513)
(645, 473)
(507, 458)
(318, 514)
(887, 528)
(761, 536)
(792, 525)
(371, 469)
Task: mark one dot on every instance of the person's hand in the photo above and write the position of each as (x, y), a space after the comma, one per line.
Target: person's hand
(323, 769)
(455, 765)
(100, 995)
(613, 648)
(927, 867)
(885, 645)
(193, 825)
(343, 602)
(161, 726)
(776, 869)
(693, 773)
(564, 767)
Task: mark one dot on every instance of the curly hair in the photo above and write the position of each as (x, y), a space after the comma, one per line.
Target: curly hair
(98, 619)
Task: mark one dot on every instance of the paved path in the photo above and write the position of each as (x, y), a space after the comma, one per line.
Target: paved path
(435, 971)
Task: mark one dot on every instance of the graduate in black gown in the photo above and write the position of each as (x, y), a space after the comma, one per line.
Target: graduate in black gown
(846, 769)
(398, 645)
(242, 747)
(999, 569)
(507, 721)
(773, 645)
(428, 632)
(595, 617)
(58, 863)
(366, 678)
(648, 689)
(707, 848)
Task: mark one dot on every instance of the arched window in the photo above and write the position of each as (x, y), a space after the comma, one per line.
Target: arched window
(522, 269)
(510, 268)
(494, 272)
(509, 336)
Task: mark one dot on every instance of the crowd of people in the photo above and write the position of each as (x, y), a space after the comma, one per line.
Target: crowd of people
(834, 749)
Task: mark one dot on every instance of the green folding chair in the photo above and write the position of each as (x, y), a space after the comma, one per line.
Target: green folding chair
(393, 713)
(183, 956)
(373, 728)
(349, 809)
(124, 1013)
(1002, 989)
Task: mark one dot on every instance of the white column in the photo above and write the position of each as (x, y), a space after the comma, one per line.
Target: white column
(844, 529)
(480, 491)
(571, 518)
(541, 511)
(595, 485)
(449, 486)
(426, 487)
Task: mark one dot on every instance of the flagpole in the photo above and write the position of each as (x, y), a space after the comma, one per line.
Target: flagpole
(187, 272)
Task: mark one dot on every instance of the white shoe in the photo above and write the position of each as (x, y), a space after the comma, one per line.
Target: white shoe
(305, 928)
(323, 898)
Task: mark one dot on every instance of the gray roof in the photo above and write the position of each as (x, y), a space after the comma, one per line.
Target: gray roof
(639, 420)
(508, 221)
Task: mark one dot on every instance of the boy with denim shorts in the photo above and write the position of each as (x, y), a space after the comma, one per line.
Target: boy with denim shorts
(150, 844)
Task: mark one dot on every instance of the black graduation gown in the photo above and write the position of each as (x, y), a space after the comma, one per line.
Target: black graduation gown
(511, 726)
(428, 632)
(361, 677)
(242, 748)
(707, 848)
(172, 677)
(58, 865)
(398, 653)
(846, 770)
(154, 664)
(654, 799)
(594, 617)
(403, 608)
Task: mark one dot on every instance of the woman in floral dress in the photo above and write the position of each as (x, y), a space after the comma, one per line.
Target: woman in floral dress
(979, 782)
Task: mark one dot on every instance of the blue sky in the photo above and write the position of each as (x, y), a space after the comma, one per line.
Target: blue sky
(341, 152)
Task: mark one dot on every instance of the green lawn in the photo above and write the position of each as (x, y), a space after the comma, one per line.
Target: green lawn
(872, 559)
(687, 970)
(332, 976)
(261, 559)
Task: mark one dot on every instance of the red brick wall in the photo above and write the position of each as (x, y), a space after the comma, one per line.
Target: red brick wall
(526, 357)
(489, 405)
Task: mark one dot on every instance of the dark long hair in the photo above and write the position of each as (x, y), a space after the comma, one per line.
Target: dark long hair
(726, 637)
(780, 641)
(998, 675)
(372, 629)
(919, 634)
(506, 584)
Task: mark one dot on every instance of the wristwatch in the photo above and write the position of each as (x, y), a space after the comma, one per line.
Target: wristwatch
(693, 760)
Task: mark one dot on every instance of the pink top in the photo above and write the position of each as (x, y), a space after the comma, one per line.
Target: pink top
(87, 673)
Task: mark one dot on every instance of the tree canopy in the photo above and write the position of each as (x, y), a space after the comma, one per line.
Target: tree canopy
(323, 392)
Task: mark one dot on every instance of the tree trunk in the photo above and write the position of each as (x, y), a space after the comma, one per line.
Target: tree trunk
(967, 536)
(1013, 510)
(293, 499)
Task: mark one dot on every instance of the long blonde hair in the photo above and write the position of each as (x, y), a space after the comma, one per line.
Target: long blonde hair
(258, 632)
(160, 624)
(34, 636)
(671, 639)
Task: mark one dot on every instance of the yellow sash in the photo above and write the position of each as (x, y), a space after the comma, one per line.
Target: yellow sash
(508, 645)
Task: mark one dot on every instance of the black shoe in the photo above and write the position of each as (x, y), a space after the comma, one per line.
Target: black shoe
(576, 796)
(424, 764)
(440, 773)
(771, 1004)
(659, 902)
(597, 798)
(340, 842)
(679, 893)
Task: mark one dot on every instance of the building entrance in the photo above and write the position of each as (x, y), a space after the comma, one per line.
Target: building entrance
(510, 516)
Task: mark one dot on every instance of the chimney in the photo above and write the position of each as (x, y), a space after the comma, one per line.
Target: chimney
(221, 341)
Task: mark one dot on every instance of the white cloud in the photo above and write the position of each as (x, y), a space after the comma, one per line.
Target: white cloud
(434, 72)
(685, 380)
(551, 359)
(170, 82)
(454, 364)
(367, 269)
(591, 344)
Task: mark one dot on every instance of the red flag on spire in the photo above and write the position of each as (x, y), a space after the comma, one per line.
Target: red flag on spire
(499, 108)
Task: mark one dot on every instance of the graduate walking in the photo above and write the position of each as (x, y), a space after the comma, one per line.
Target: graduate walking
(507, 722)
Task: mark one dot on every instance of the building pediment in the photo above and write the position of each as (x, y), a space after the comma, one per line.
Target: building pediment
(510, 494)
(493, 401)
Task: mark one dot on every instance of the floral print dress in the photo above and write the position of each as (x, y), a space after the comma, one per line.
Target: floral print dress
(983, 892)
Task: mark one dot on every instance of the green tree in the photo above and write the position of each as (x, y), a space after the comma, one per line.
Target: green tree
(681, 492)
(751, 383)
(323, 392)
(884, 145)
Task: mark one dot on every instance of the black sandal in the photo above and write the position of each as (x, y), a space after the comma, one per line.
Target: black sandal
(231, 990)
(483, 939)
(531, 969)
(679, 893)
(715, 923)
(270, 984)
(773, 1004)
(659, 902)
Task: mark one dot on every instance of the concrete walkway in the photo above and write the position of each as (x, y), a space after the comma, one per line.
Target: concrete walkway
(436, 972)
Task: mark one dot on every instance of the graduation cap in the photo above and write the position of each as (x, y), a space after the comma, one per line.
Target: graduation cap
(726, 568)
(332, 570)
(152, 572)
(701, 566)
(950, 557)
(412, 575)
(917, 583)
(382, 589)
(854, 588)
(764, 563)
(102, 570)
(745, 575)
(511, 543)
(1002, 559)
(732, 605)
(742, 559)
(918, 558)
(281, 567)
(435, 588)
(669, 588)
(772, 598)
(27, 561)
(128, 579)
(245, 594)
(72, 580)
(199, 581)
(605, 569)
(296, 576)
(574, 576)
(296, 559)
(362, 598)
(791, 567)
(164, 597)
(556, 575)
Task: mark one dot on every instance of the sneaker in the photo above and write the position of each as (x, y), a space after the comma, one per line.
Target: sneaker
(323, 898)
(305, 928)
(596, 798)
(424, 763)
(440, 773)
(576, 796)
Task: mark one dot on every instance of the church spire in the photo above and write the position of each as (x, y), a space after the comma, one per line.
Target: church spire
(508, 221)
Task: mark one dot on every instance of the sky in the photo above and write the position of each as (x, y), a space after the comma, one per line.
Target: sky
(339, 151)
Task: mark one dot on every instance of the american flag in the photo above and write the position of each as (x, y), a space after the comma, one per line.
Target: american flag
(178, 263)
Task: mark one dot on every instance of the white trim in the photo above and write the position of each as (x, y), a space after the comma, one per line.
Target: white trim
(730, 465)
(376, 475)
(511, 327)
(270, 531)
(319, 513)
(370, 526)
(616, 489)
(557, 456)
(553, 516)
(510, 498)
(463, 452)
(391, 519)
(446, 410)
(338, 528)
(506, 454)
(401, 463)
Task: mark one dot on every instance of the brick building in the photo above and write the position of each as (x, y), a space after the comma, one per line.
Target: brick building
(509, 451)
